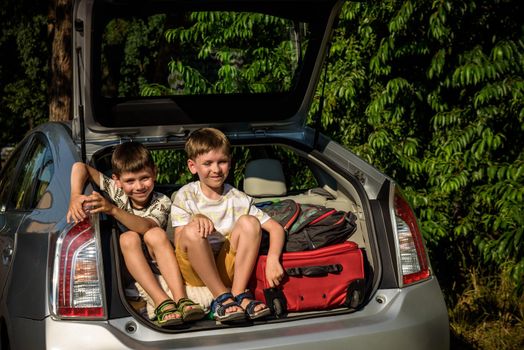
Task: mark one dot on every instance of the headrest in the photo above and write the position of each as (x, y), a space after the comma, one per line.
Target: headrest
(264, 178)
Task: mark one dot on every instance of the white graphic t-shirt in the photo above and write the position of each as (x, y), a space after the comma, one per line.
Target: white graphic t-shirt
(224, 212)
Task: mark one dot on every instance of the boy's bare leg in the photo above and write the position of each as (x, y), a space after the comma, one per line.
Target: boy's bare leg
(164, 254)
(245, 239)
(203, 262)
(138, 267)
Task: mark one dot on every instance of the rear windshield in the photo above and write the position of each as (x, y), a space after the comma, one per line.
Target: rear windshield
(174, 63)
(201, 53)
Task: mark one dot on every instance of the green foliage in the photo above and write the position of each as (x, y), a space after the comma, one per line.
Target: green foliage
(432, 94)
(23, 69)
(133, 37)
(220, 60)
(171, 167)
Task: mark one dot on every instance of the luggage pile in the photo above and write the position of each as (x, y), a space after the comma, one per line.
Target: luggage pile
(323, 269)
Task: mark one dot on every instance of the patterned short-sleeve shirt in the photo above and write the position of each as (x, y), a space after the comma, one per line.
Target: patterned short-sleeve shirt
(158, 208)
(224, 212)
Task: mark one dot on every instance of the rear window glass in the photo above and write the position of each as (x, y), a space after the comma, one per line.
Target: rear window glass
(172, 167)
(200, 53)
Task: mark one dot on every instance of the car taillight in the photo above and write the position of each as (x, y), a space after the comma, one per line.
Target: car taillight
(78, 278)
(413, 258)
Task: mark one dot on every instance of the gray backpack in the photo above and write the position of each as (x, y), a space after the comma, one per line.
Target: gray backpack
(308, 226)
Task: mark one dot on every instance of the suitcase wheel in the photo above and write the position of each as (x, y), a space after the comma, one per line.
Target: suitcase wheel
(278, 308)
(276, 301)
(355, 294)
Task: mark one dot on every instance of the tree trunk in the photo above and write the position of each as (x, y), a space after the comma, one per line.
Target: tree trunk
(61, 68)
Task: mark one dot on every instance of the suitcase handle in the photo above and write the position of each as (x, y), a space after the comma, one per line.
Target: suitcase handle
(314, 271)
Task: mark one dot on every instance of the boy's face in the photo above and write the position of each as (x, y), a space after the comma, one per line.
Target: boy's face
(212, 169)
(138, 186)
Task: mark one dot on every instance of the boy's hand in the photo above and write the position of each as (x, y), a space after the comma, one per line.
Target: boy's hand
(81, 205)
(274, 271)
(76, 212)
(96, 203)
(202, 225)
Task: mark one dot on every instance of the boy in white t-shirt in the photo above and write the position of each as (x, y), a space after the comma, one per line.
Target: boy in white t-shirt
(218, 231)
(142, 217)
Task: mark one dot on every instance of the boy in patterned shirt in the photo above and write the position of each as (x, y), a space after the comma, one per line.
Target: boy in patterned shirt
(218, 231)
(142, 217)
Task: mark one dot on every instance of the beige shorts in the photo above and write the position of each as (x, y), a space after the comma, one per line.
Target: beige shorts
(224, 260)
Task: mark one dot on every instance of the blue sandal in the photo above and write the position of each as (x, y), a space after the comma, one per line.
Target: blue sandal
(250, 309)
(219, 308)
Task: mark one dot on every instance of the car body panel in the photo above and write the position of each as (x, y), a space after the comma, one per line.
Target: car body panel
(394, 320)
(371, 179)
(10, 223)
(9, 219)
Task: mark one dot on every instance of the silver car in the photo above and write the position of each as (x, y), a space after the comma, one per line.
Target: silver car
(153, 71)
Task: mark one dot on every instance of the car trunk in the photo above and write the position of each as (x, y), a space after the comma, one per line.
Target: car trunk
(310, 178)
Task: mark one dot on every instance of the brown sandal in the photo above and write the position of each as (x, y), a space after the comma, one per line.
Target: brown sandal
(190, 310)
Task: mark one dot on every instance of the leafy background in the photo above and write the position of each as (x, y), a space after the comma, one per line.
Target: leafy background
(430, 92)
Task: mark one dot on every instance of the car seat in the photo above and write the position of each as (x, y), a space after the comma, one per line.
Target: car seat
(264, 178)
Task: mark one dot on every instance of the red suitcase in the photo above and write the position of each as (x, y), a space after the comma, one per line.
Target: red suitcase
(320, 279)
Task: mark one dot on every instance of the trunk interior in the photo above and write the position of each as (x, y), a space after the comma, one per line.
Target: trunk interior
(293, 174)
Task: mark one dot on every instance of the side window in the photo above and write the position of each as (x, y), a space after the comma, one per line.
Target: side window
(42, 182)
(34, 177)
(8, 178)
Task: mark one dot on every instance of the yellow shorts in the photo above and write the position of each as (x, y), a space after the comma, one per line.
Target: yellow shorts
(225, 261)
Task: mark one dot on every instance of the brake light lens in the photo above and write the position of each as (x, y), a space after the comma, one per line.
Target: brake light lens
(78, 278)
(413, 258)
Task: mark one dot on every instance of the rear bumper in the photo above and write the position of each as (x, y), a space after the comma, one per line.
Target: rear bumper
(409, 318)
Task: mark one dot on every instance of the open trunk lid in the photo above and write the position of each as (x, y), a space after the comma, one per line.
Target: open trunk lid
(160, 68)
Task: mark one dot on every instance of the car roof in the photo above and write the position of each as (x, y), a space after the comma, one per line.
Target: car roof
(108, 106)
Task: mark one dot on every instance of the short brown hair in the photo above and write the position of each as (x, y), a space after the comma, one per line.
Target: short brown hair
(131, 157)
(206, 139)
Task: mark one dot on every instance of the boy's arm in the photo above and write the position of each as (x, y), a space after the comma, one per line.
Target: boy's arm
(274, 270)
(80, 173)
